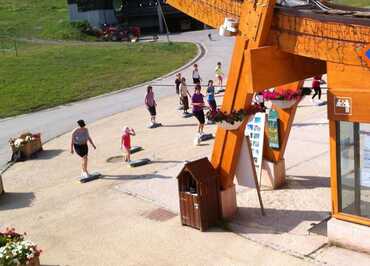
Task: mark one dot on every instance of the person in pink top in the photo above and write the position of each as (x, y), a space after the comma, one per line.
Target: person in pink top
(126, 142)
(317, 80)
(151, 104)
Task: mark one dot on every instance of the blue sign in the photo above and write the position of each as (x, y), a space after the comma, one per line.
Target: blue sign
(367, 53)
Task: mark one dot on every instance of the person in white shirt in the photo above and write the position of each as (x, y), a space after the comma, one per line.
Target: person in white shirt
(196, 76)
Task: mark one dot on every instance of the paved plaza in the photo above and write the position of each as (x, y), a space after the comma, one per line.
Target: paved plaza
(130, 215)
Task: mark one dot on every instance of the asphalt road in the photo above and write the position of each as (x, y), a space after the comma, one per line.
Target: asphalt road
(62, 119)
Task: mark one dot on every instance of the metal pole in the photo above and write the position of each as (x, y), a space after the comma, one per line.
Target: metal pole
(165, 22)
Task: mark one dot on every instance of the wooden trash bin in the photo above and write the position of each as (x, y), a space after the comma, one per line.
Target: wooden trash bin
(199, 194)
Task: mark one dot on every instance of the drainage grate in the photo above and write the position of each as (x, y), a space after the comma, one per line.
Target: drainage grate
(160, 215)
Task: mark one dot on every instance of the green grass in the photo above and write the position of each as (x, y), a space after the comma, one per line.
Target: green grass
(45, 19)
(43, 76)
(356, 3)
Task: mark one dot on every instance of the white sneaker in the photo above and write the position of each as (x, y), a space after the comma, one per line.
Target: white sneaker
(84, 175)
(196, 140)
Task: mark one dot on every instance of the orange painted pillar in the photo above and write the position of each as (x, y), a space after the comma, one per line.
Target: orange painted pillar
(238, 95)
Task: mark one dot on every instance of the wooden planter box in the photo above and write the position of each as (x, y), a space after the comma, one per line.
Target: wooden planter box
(29, 148)
(284, 104)
(229, 126)
(34, 262)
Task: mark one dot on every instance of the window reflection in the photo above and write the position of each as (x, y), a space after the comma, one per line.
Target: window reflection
(354, 168)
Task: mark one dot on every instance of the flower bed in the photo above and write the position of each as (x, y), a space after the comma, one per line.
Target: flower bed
(25, 146)
(233, 120)
(284, 99)
(15, 250)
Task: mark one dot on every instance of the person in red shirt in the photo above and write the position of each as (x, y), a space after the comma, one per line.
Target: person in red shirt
(317, 80)
(126, 142)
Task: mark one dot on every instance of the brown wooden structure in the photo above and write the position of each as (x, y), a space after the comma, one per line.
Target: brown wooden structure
(281, 46)
(198, 194)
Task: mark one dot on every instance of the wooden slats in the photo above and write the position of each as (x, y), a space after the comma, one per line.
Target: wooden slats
(211, 12)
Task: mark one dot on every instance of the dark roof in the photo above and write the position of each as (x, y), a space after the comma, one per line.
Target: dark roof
(200, 169)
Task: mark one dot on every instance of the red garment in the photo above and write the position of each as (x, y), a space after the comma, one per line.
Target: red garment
(316, 82)
(126, 140)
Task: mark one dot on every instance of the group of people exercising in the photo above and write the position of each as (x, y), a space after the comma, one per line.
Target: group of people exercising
(81, 137)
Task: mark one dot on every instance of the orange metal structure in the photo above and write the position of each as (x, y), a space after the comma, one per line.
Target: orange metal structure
(280, 46)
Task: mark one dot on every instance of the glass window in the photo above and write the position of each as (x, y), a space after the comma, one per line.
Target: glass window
(353, 147)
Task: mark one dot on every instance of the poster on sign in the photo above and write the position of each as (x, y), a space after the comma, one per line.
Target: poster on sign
(255, 131)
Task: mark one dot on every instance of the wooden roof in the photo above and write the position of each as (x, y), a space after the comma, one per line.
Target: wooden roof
(201, 170)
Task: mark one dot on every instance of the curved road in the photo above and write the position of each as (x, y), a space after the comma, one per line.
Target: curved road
(59, 120)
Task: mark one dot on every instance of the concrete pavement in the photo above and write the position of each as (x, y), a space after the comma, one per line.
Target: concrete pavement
(56, 121)
(130, 216)
(105, 222)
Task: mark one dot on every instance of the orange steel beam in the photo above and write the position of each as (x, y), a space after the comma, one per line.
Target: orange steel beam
(227, 144)
(270, 67)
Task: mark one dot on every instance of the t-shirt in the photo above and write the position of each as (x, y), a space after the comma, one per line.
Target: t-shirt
(80, 136)
(149, 99)
(184, 90)
(197, 98)
(177, 82)
(196, 74)
(210, 93)
(316, 82)
(218, 71)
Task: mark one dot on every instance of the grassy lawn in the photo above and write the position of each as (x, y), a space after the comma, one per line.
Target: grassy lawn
(357, 3)
(43, 76)
(46, 19)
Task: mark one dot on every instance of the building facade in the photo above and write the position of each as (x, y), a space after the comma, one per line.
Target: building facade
(147, 14)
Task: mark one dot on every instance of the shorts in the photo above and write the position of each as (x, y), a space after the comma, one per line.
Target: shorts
(212, 104)
(200, 116)
(152, 110)
(219, 77)
(185, 102)
(81, 149)
(196, 80)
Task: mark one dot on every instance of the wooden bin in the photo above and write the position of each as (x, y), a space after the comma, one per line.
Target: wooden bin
(198, 194)
(32, 147)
